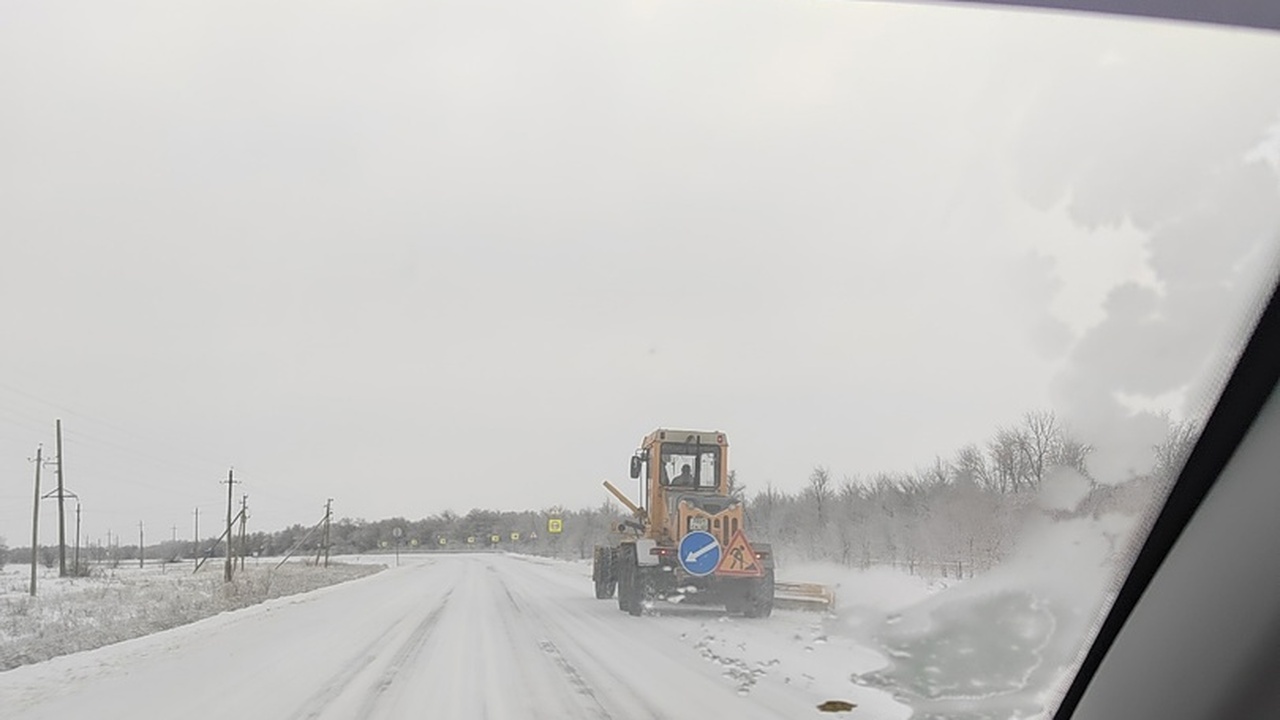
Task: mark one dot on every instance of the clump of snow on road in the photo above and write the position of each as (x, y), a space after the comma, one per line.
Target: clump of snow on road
(72, 614)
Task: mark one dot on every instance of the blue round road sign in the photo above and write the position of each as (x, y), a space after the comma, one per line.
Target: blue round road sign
(699, 553)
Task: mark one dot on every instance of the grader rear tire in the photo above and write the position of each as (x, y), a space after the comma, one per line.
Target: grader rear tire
(760, 596)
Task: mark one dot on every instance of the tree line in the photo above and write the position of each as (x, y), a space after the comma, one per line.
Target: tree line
(958, 515)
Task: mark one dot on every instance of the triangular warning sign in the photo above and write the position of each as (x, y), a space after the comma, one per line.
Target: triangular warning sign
(739, 559)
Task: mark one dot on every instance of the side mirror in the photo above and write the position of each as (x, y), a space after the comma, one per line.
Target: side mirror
(635, 467)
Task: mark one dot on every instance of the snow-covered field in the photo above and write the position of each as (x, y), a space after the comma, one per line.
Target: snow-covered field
(113, 604)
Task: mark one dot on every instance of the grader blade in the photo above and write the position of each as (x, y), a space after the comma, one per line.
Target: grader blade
(804, 596)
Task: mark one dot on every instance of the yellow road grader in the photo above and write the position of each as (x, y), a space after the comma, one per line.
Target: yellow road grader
(686, 541)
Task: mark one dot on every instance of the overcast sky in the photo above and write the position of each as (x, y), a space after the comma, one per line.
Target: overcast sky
(427, 255)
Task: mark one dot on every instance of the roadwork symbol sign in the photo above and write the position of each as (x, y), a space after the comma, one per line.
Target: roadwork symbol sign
(740, 559)
(555, 525)
(699, 553)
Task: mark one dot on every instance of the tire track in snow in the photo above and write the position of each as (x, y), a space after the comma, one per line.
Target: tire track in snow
(406, 655)
(321, 702)
(637, 704)
(579, 685)
(588, 701)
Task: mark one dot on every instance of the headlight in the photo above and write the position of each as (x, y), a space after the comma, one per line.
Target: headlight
(698, 523)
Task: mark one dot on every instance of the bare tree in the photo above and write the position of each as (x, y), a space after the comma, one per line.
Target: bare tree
(1007, 460)
(1073, 454)
(971, 465)
(940, 473)
(1039, 440)
(820, 491)
(737, 490)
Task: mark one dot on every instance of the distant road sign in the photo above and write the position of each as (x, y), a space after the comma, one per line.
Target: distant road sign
(396, 532)
(555, 525)
(471, 539)
(444, 541)
(515, 537)
(699, 553)
(494, 539)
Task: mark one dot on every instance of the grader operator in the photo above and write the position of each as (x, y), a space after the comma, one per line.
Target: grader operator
(686, 541)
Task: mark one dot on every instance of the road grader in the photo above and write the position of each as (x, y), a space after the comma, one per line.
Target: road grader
(686, 540)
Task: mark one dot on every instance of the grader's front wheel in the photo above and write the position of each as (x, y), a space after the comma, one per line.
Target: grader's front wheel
(603, 572)
(630, 585)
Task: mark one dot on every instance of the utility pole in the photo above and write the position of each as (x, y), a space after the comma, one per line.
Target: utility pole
(328, 513)
(244, 516)
(62, 532)
(77, 558)
(35, 521)
(226, 574)
(142, 549)
(171, 554)
(195, 539)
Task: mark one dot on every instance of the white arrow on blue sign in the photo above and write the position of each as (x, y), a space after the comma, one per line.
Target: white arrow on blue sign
(699, 553)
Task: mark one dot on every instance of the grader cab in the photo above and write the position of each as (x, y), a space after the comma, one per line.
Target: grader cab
(687, 540)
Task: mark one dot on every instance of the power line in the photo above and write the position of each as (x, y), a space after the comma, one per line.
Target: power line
(151, 441)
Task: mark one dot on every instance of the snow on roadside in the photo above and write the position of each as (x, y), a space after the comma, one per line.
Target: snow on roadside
(69, 615)
(818, 653)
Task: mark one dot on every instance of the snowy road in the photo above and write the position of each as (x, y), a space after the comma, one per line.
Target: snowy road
(460, 636)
